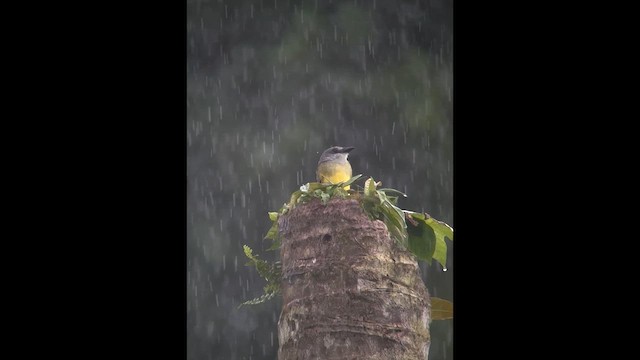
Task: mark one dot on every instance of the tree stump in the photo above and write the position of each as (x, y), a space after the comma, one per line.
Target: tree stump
(349, 291)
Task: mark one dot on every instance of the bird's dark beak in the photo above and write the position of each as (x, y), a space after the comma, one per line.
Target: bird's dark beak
(347, 149)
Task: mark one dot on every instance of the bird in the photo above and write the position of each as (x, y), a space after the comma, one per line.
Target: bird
(333, 166)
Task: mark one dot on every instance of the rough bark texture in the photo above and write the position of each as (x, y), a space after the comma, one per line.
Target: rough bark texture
(349, 291)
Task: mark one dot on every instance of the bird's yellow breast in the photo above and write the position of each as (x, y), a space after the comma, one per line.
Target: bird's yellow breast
(334, 172)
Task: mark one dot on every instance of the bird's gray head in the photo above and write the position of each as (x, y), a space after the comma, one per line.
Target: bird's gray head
(335, 153)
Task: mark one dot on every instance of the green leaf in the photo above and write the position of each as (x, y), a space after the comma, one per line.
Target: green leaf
(259, 300)
(340, 192)
(370, 187)
(379, 206)
(395, 225)
(422, 240)
(440, 253)
(395, 231)
(441, 228)
(294, 199)
(312, 186)
(273, 232)
(415, 215)
(394, 211)
(393, 200)
(395, 216)
(350, 181)
(441, 309)
(271, 272)
(386, 190)
(267, 270)
(248, 252)
(275, 246)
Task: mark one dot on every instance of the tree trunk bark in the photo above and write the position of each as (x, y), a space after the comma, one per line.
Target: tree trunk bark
(349, 291)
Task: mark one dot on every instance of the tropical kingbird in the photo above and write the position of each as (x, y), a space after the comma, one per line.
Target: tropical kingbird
(333, 166)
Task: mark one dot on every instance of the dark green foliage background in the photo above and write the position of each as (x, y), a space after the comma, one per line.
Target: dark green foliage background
(270, 85)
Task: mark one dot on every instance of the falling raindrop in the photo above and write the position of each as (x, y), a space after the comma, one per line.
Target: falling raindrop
(259, 183)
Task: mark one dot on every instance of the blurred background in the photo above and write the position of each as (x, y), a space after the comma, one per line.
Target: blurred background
(270, 85)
